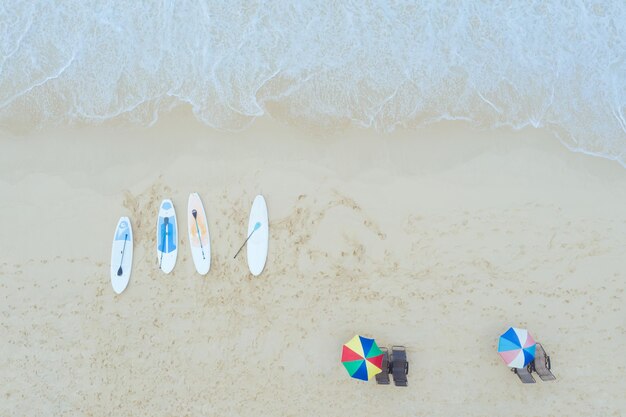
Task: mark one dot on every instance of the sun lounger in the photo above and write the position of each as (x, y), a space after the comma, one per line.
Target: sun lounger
(541, 364)
(524, 374)
(399, 366)
(383, 377)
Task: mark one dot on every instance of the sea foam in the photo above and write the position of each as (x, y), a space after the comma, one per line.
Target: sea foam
(379, 64)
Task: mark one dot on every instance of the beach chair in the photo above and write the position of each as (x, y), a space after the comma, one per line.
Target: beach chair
(383, 377)
(399, 366)
(541, 364)
(524, 374)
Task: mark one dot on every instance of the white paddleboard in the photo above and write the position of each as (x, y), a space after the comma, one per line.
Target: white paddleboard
(259, 240)
(167, 237)
(198, 229)
(121, 255)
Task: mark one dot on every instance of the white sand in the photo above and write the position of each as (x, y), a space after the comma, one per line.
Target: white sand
(436, 239)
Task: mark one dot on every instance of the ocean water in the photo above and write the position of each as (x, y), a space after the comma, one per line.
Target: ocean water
(378, 64)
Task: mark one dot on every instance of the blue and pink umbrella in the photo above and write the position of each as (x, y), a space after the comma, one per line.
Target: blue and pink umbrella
(517, 347)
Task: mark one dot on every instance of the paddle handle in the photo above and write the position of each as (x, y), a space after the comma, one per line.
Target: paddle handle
(246, 241)
(199, 235)
(165, 223)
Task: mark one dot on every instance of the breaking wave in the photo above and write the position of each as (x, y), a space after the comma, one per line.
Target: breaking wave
(380, 64)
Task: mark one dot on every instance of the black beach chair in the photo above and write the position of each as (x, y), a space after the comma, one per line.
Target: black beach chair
(383, 377)
(524, 374)
(542, 365)
(399, 366)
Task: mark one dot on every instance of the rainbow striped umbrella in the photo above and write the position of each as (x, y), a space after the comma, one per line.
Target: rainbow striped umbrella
(362, 358)
(517, 347)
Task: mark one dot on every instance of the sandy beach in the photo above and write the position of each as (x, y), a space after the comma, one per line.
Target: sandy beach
(437, 239)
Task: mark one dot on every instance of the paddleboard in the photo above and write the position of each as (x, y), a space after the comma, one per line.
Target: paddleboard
(167, 237)
(259, 240)
(121, 255)
(198, 229)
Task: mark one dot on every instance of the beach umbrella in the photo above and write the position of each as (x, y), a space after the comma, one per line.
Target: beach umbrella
(362, 358)
(517, 347)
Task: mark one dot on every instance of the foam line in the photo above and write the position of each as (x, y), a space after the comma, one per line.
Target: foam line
(377, 64)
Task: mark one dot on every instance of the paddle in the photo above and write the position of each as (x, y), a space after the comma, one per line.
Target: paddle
(120, 271)
(166, 221)
(257, 226)
(194, 212)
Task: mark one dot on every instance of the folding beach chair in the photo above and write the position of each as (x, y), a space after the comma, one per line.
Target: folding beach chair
(383, 377)
(399, 366)
(524, 374)
(542, 365)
